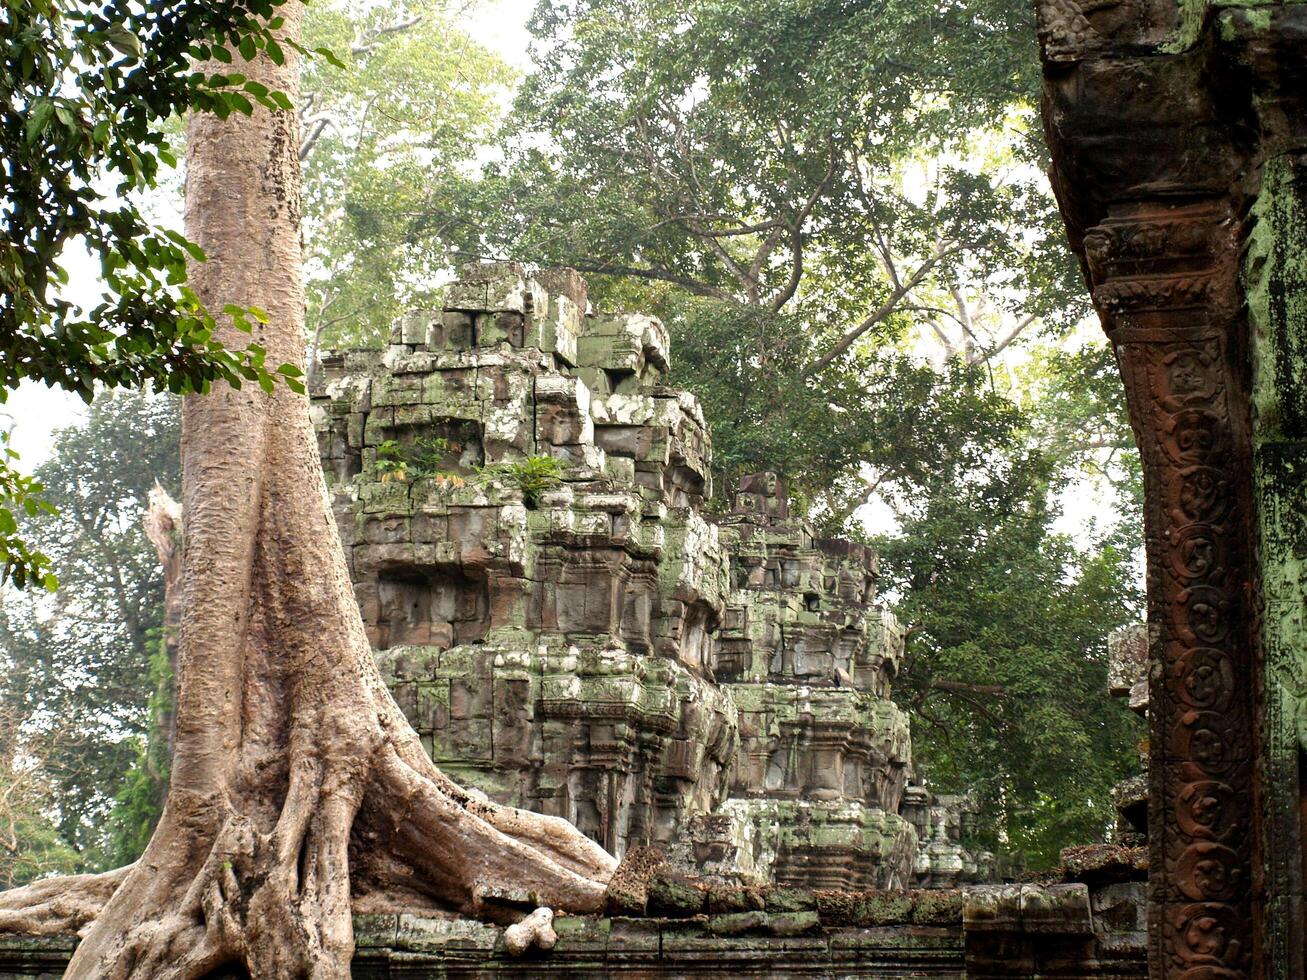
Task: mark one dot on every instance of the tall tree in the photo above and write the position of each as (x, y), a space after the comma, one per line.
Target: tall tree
(408, 85)
(1005, 673)
(780, 154)
(30, 844)
(296, 783)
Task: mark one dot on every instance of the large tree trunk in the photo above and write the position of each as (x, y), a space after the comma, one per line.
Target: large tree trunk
(297, 784)
(163, 526)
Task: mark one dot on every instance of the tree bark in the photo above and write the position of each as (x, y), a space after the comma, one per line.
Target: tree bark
(163, 526)
(297, 785)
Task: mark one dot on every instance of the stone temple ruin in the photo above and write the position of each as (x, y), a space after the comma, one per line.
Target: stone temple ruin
(600, 647)
(523, 506)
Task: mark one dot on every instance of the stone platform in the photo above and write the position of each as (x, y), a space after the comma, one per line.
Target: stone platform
(1061, 932)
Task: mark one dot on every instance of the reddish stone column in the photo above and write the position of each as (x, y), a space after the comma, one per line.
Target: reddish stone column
(1164, 280)
(1161, 117)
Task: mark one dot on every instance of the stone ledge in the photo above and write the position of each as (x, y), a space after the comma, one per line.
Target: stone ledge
(1005, 932)
(791, 944)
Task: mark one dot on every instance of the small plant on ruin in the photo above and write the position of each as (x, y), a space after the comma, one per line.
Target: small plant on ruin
(426, 455)
(421, 459)
(533, 476)
(391, 463)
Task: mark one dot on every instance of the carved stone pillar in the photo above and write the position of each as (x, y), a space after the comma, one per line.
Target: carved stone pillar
(1164, 120)
(1164, 279)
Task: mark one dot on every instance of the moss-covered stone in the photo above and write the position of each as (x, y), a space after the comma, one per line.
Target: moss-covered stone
(793, 923)
(676, 896)
(937, 908)
(595, 640)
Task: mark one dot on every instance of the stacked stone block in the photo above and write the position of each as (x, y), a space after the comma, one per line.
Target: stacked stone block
(809, 661)
(947, 852)
(551, 647)
(594, 646)
(1127, 677)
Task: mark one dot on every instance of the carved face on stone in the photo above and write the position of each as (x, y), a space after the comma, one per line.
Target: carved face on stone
(761, 484)
(1186, 374)
(762, 493)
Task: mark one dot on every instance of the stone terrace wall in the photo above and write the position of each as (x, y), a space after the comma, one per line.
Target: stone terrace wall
(1056, 932)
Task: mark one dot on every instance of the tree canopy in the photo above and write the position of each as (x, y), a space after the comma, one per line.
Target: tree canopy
(388, 132)
(75, 667)
(813, 154)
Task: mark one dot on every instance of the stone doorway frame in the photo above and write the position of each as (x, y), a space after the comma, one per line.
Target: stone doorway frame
(1164, 119)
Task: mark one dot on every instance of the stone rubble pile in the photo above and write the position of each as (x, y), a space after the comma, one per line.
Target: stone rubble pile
(522, 501)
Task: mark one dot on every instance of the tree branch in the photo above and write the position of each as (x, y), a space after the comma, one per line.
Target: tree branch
(882, 311)
(961, 687)
(369, 41)
(656, 275)
(312, 133)
(796, 271)
(796, 241)
(1010, 336)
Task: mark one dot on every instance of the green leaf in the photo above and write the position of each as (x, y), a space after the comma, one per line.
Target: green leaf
(330, 57)
(38, 119)
(124, 40)
(247, 48)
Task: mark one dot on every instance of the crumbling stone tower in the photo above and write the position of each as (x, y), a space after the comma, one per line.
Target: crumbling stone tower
(549, 643)
(522, 501)
(808, 660)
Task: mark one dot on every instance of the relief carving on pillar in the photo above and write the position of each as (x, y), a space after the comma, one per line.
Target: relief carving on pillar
(1063, 29)
(1164, 281)
(1068, 30)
